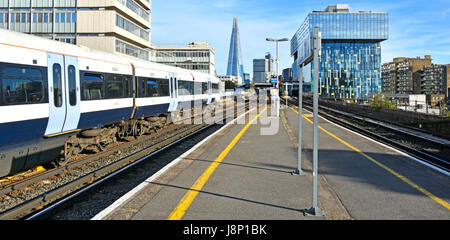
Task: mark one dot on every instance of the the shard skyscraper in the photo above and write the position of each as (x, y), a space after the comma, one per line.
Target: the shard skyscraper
(235, 66)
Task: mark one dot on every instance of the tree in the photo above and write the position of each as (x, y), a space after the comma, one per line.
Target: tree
(380, 101)
(229, 85)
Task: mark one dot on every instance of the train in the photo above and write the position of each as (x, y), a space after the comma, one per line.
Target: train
(59, 99)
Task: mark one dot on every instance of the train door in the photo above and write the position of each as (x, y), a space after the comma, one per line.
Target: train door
(173, 89)
(72, 88)
(209, 91)
(64, 94)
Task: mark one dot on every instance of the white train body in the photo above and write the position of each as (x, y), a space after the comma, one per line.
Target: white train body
(50, 89)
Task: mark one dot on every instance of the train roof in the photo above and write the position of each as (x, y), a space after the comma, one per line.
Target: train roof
(37, 43)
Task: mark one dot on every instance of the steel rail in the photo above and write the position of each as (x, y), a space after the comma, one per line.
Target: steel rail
(53, 198)
(420, 155)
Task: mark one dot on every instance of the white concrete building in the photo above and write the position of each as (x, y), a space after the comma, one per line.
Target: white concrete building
(117, 26)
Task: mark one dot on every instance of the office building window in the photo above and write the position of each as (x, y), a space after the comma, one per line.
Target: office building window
(131, 27)
(128, 49)
(68, 16)
(135, 8)
(43, 17)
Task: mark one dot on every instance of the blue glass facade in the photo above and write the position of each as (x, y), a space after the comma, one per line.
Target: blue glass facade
(235, 66)
(350, 63)
(350, 70)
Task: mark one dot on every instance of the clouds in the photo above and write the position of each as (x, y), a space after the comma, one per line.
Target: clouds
(416, 29)
(419, 29)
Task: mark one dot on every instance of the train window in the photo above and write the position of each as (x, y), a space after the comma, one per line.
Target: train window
(204, 87)
(117, 86)
(57, 85)
(72, 85)
(185, 87)
(164, 87)
(215, 88)
(21, 85)
(93, 86)
(153, 87)
(198, 88)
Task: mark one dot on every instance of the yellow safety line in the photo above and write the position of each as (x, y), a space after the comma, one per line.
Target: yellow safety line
(396, 174)
(189, 197)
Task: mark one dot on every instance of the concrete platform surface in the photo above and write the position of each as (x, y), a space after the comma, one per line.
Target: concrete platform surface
(242, 174)
(371, 180)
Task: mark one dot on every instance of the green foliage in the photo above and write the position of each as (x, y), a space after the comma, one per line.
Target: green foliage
(380, 101)
(229, 85)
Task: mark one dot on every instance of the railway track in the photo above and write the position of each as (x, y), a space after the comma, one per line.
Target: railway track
(43, 191)
(427, 149)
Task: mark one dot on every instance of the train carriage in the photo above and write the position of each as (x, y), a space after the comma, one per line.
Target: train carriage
(51, 92)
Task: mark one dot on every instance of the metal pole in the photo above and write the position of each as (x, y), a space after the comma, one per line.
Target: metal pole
(317, 48)
(277, 64)
(300, 135)
(278, 87)
(286, 93)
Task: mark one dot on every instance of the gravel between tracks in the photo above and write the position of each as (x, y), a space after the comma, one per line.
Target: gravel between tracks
(93, 201)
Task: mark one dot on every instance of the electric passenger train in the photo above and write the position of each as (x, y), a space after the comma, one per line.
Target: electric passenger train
(58, 99)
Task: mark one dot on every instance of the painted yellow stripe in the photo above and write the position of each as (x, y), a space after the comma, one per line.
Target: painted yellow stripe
(396, 174)
(189, 197)
(62, 133)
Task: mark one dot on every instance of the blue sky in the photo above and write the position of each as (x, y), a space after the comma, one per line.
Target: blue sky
(416, 28)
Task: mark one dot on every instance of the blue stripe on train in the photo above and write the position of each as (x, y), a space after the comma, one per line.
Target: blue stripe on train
(105, 117)
(155, 110)
(151, 110)
(16, 132)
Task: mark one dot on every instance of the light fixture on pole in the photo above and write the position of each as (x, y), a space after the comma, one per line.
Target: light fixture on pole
(277, 61)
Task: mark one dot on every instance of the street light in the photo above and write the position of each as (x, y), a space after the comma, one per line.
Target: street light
(276, 41)
(277, 60)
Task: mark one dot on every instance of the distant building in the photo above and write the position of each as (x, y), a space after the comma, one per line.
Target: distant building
(398, 76)
(236, 80)
(235, 65)
(247, 79)
(197, 56)
(432, 80)
(263, 69)
(116, 26)
(435, 99)
(447, 68)
(351, 51)
(287, 75)
(416, 76)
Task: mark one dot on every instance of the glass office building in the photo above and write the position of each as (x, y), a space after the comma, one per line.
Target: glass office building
(235, 65)
(350, 63)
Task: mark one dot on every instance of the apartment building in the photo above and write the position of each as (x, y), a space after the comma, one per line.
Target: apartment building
(432, 79)
(397, 77)
(447, 86)
(117, 26)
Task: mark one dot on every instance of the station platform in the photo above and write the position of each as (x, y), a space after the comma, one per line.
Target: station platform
(240, 174)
